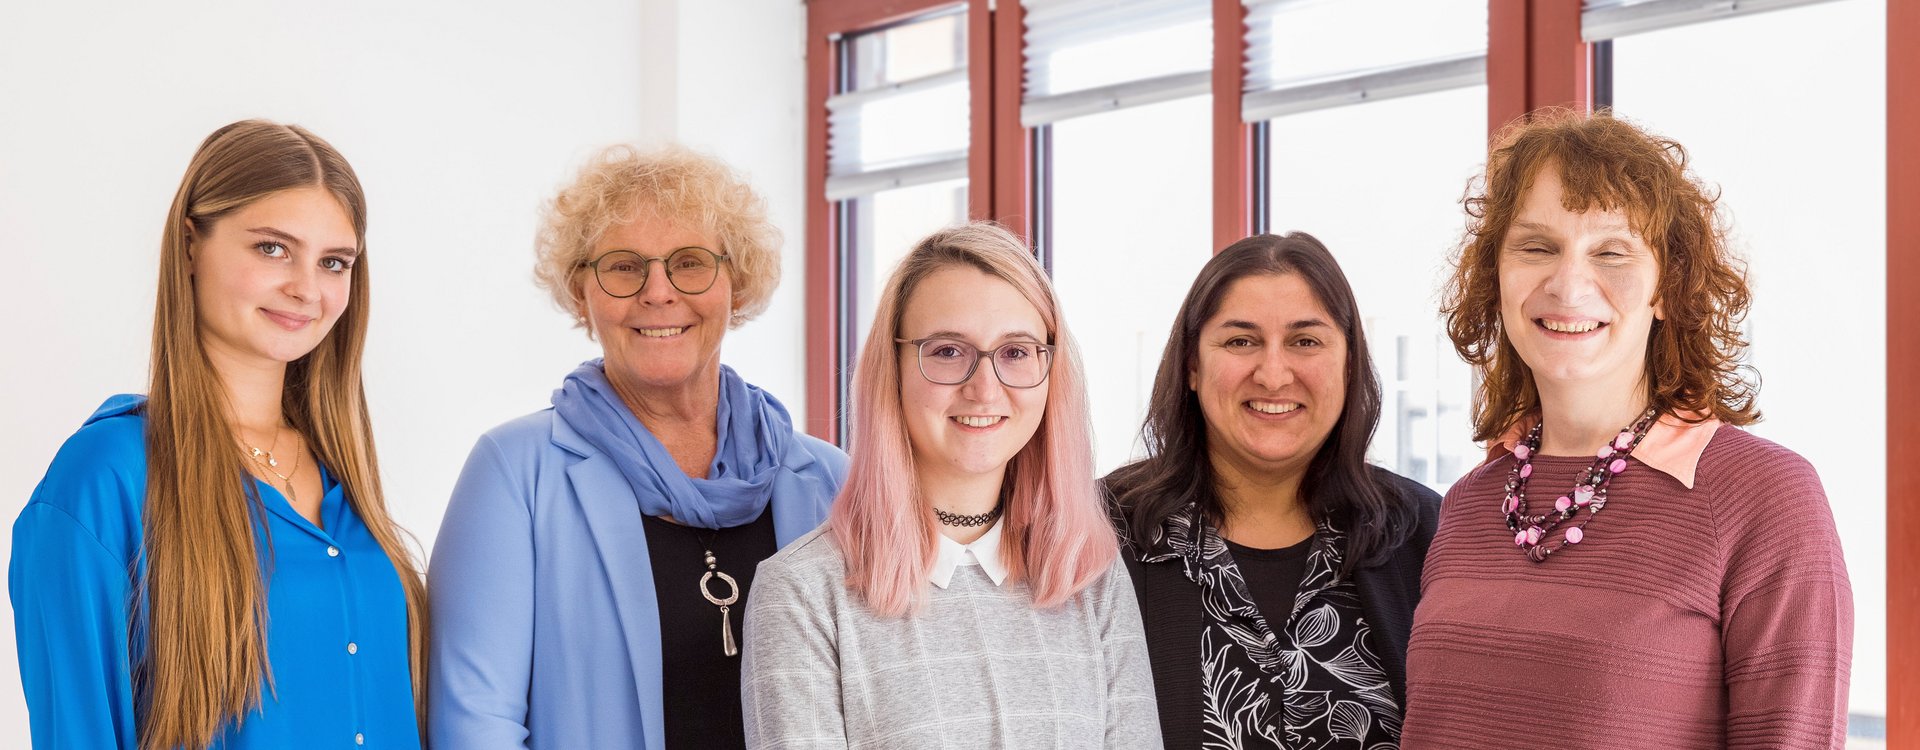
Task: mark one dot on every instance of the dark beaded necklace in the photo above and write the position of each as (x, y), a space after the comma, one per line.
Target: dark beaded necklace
(1530, 532)
(979, 519)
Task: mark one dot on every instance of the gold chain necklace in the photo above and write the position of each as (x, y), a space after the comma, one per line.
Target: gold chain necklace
(267, 463)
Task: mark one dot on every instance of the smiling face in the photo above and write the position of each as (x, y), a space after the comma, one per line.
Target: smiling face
(966, 431)
(659, 338)
(1270, 375)
(272, 277)
(1577, 293)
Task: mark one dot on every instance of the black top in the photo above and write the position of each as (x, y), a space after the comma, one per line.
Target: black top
(702, 699)
(1174, 616)
(1272, 575)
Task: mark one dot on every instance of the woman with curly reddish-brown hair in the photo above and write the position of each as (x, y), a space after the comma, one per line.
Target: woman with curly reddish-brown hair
(1708, 605)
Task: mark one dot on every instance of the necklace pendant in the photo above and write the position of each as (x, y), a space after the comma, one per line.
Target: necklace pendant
(271, 461)
(727, 646)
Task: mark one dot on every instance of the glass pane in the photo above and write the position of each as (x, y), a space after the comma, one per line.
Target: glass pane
(887, 224)
(1318, 38)
(1066, 56)
(1380, 185)
(1128, 236)
(912, 50)
(909, 126)
(1805, 184)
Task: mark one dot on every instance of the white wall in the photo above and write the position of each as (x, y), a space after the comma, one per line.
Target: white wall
(460, 117)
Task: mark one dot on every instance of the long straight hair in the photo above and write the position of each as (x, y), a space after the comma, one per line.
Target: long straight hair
(204, 598)
(1177, 471)
(1054, 533)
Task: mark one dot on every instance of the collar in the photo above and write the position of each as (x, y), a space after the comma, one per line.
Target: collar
(1672, 446)
(984, 552)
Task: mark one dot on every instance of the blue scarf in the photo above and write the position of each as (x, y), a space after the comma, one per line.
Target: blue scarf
(754, 433)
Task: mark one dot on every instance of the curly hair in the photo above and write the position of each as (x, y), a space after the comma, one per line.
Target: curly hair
(1695, 365)
(676, 184)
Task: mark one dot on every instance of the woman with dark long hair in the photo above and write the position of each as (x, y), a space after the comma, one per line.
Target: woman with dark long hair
(1277, 572)
(212, 565)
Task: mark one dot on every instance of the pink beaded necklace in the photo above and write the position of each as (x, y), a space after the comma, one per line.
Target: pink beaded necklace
(1589, 491)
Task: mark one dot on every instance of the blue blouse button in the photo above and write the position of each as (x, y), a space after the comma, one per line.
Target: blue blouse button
(333, 552)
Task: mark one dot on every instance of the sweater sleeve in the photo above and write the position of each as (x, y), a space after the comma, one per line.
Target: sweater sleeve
(482, 583)
(1786, 606)
(1133, 718)
(790, 673)
(70, 597)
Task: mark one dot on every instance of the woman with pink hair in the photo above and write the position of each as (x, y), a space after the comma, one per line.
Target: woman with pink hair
(965, 590)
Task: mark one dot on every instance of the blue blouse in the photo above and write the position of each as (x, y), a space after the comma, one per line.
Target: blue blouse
(337, 616)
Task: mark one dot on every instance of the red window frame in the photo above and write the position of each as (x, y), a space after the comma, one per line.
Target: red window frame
(827, 22)
(1903, 359)
(1535, 58)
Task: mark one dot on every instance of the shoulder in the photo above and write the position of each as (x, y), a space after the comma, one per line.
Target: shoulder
(114, 444)
(1736, 456)
(528, 431)
(1421, 498)
(1489, 477)
(516, 460)
(98, 478)
(518, 443)
(811, 562)
(1420, 501)
(1116, 582)
(827, 457)
(1762, 492)
(111, 444)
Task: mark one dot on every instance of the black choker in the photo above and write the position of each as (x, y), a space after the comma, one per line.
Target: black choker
(955, 519)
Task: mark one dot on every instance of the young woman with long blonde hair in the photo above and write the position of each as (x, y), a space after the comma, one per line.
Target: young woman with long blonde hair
(212, 565)
(966, 589)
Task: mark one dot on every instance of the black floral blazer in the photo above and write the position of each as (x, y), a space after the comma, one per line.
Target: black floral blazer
(1331, 676)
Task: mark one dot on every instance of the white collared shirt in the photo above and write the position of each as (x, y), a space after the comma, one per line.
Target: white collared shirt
(984, 552)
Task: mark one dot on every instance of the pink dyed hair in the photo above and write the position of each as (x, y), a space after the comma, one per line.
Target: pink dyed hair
(1055, 534)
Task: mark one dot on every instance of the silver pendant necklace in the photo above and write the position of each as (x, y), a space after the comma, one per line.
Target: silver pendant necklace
(725, 603)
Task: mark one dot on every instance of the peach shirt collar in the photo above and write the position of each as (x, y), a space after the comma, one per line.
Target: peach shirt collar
(1672, 446)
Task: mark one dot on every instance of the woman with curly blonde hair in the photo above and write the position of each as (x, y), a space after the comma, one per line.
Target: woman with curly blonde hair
(1708, 606)
(595, 560)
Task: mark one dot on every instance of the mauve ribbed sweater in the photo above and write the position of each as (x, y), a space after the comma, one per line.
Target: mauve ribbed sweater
(1713, 617)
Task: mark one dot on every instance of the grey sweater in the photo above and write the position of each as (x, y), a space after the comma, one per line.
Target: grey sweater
(980, 667)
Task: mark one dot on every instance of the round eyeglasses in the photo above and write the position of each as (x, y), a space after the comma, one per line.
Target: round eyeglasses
(1018, 364)
(622, 273)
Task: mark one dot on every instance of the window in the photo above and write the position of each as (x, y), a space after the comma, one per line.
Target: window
(1128, 238)
(897, 163)
(1375, 131)
(1115, 92)
(1804, 179)
(1103, 129)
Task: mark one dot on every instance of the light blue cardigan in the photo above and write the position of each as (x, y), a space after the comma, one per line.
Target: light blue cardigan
(545, 623)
